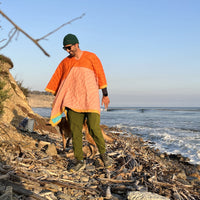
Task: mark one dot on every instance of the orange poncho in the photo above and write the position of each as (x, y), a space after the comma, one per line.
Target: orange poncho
(76, 84)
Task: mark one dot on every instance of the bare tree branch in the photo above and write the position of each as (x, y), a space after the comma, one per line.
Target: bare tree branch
(2, 40)
(18, 29)
(61, 27)
(10, 38)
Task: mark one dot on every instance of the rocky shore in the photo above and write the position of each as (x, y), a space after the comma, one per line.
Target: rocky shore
(34, 166)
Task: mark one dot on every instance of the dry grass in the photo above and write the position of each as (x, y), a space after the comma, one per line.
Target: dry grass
(5, 59)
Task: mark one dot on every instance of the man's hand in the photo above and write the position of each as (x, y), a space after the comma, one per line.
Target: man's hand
(105, 101)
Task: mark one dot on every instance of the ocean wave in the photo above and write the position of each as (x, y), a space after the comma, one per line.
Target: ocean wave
(170, 140)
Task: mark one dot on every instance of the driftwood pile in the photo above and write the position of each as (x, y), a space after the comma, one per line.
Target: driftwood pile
(35, 167)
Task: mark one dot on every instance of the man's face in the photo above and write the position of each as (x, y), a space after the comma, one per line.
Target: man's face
(71, 49)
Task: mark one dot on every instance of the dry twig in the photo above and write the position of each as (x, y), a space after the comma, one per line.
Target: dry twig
(17, 29)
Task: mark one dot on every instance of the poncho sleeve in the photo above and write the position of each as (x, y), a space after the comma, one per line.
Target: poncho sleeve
(99, 72)
(59, 75)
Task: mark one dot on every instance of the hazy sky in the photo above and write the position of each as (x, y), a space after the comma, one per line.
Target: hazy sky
(150, 49)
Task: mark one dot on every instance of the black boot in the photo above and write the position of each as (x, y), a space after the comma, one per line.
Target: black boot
(79, 166)
(106, 160)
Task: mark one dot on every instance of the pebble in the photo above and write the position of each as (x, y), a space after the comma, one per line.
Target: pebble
(84, 178)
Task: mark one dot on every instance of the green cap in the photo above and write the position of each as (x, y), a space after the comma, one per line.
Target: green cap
(70, 39)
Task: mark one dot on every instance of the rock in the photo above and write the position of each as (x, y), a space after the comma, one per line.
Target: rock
(51, 150)
(135, 195)
(90, 168)
(63, 196)
(176, 196)
(162, 155)
(182, 175)
(84, 178)
(48, 148)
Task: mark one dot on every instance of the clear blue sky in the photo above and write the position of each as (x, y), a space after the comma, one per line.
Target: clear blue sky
(150, 49)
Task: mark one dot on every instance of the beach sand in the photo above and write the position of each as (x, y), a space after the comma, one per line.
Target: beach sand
(40, 100)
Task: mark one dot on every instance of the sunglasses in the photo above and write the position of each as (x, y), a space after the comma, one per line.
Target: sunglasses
(67, 48)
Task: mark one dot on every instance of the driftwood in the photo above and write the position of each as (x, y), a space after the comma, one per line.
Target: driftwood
(116, 181)
(7, 194)
(39, 171)
(20, 190)
(66, 184)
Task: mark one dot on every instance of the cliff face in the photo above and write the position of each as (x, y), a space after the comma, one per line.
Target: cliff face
(16, 107)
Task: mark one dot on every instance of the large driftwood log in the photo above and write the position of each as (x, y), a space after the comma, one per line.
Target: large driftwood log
(22, 191)
(70, 184)
(7, 194)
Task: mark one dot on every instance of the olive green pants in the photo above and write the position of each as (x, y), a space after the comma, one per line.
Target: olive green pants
(76, 121)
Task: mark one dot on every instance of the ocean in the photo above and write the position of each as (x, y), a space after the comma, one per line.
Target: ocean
(174, 130)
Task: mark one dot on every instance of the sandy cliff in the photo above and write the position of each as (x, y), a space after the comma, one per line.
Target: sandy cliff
(16, 107)
(40, 100)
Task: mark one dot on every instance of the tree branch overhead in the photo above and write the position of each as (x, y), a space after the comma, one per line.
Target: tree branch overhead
(17, 29)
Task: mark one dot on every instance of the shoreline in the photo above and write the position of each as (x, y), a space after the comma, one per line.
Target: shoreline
(137, 167)
(45, 101)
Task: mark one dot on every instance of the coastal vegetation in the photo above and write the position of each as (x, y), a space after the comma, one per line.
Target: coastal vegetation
(24, 89)
(5, 59)
(36, 92)
(4, 94)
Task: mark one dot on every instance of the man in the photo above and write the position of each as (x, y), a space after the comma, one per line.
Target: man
(76, 83)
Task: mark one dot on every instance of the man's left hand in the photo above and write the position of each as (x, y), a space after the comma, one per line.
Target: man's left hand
(105, 101)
